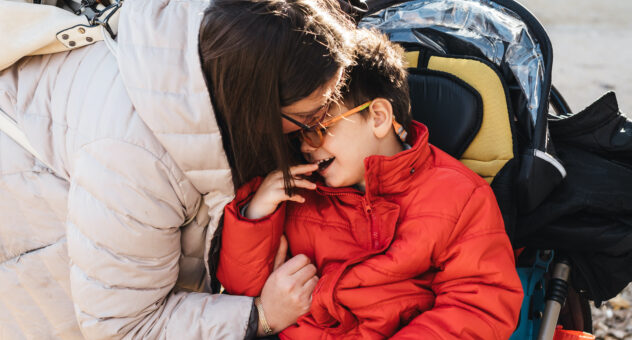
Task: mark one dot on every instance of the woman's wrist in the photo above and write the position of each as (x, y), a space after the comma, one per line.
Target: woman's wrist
(263, 328)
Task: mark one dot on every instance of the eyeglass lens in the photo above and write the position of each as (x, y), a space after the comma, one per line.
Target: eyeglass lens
(314, 137)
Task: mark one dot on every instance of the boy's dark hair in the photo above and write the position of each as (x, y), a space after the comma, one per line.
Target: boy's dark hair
(379, 71)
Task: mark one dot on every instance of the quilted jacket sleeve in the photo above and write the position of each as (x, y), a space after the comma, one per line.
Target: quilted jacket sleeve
(248, 246)
(478, 292)
(123, 233)
(8, 84)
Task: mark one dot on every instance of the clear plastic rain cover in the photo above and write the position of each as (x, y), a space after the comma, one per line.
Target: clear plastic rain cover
(498, 33)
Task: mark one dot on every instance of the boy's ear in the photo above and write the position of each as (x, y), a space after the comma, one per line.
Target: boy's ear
(382, 116)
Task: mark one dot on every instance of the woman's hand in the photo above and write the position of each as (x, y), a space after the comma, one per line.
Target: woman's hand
(287, 294)
(272, 191)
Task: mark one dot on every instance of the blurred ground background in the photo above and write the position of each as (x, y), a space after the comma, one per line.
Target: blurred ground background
(592, 54)
(592, 48)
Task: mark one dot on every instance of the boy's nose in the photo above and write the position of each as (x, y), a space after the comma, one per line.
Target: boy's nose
(306, 148)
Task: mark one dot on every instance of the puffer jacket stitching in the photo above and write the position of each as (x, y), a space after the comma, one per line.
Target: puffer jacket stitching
(123, 215)
(30, 251)
(477, 235)
(401, 273)
(429, 333)
(173, 178)
(464, 235)
(10, 96)
(449, 239)
(166, 93)
(475, 181)
(99, 246)
(392, 301)
(20, 172)
(180, 191)
(101, 284)
(333, 224)
(447, 217)
(52, 173)
(22, 63)
(168, 321)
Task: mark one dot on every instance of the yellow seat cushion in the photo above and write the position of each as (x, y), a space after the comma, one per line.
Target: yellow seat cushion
(411, 58)
(492, 147)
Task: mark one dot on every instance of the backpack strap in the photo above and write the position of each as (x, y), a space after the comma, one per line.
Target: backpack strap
(10, 127)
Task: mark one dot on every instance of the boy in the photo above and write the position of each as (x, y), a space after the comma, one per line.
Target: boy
(408, 242)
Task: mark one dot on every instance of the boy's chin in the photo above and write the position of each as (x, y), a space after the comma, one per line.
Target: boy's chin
(333, 182)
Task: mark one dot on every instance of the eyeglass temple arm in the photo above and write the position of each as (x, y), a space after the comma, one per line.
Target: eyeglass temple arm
(295, 122)
(348, 113)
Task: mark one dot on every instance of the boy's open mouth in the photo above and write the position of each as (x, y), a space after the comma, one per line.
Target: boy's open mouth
(324, 163)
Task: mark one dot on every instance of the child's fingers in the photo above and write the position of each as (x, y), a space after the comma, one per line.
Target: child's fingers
(296, 198)
(303, 183)
(275, 179)
(303, 169)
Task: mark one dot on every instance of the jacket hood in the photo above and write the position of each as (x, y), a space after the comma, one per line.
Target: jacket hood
(160, 65)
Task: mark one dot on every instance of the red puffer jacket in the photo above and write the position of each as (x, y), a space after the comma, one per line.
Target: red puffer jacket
(422, 254)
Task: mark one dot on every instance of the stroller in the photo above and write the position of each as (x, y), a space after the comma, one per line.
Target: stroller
(480, 79)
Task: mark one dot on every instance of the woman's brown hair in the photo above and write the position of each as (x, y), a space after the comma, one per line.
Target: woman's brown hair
(259, 56)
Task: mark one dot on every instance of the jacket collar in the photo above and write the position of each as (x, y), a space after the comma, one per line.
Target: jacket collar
(391, 174)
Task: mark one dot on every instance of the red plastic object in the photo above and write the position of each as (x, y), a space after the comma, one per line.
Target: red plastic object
(563, 334)
(517, 252)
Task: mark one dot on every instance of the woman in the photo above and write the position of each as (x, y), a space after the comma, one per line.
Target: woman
(118, 229)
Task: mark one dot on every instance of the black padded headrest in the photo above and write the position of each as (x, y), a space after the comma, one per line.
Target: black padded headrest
(450, 108)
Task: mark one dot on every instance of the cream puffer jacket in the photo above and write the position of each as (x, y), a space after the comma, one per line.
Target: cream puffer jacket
(111, 241)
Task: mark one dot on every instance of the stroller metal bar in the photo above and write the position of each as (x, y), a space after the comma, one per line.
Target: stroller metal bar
(559, 104)
(557, 290)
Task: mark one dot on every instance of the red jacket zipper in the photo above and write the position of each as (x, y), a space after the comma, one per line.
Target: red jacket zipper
(367, 210)
(374, 233)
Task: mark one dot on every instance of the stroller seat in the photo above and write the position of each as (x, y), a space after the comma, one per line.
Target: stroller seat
(463, 101)
(465, 104)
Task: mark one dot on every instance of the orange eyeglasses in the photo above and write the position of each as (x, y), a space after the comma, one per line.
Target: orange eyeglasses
(314, 136)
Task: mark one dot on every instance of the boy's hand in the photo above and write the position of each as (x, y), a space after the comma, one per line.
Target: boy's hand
(272, 191)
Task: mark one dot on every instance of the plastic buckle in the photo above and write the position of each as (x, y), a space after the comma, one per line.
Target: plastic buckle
(107, 14)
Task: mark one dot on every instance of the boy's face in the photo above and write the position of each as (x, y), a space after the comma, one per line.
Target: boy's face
(347, 143)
